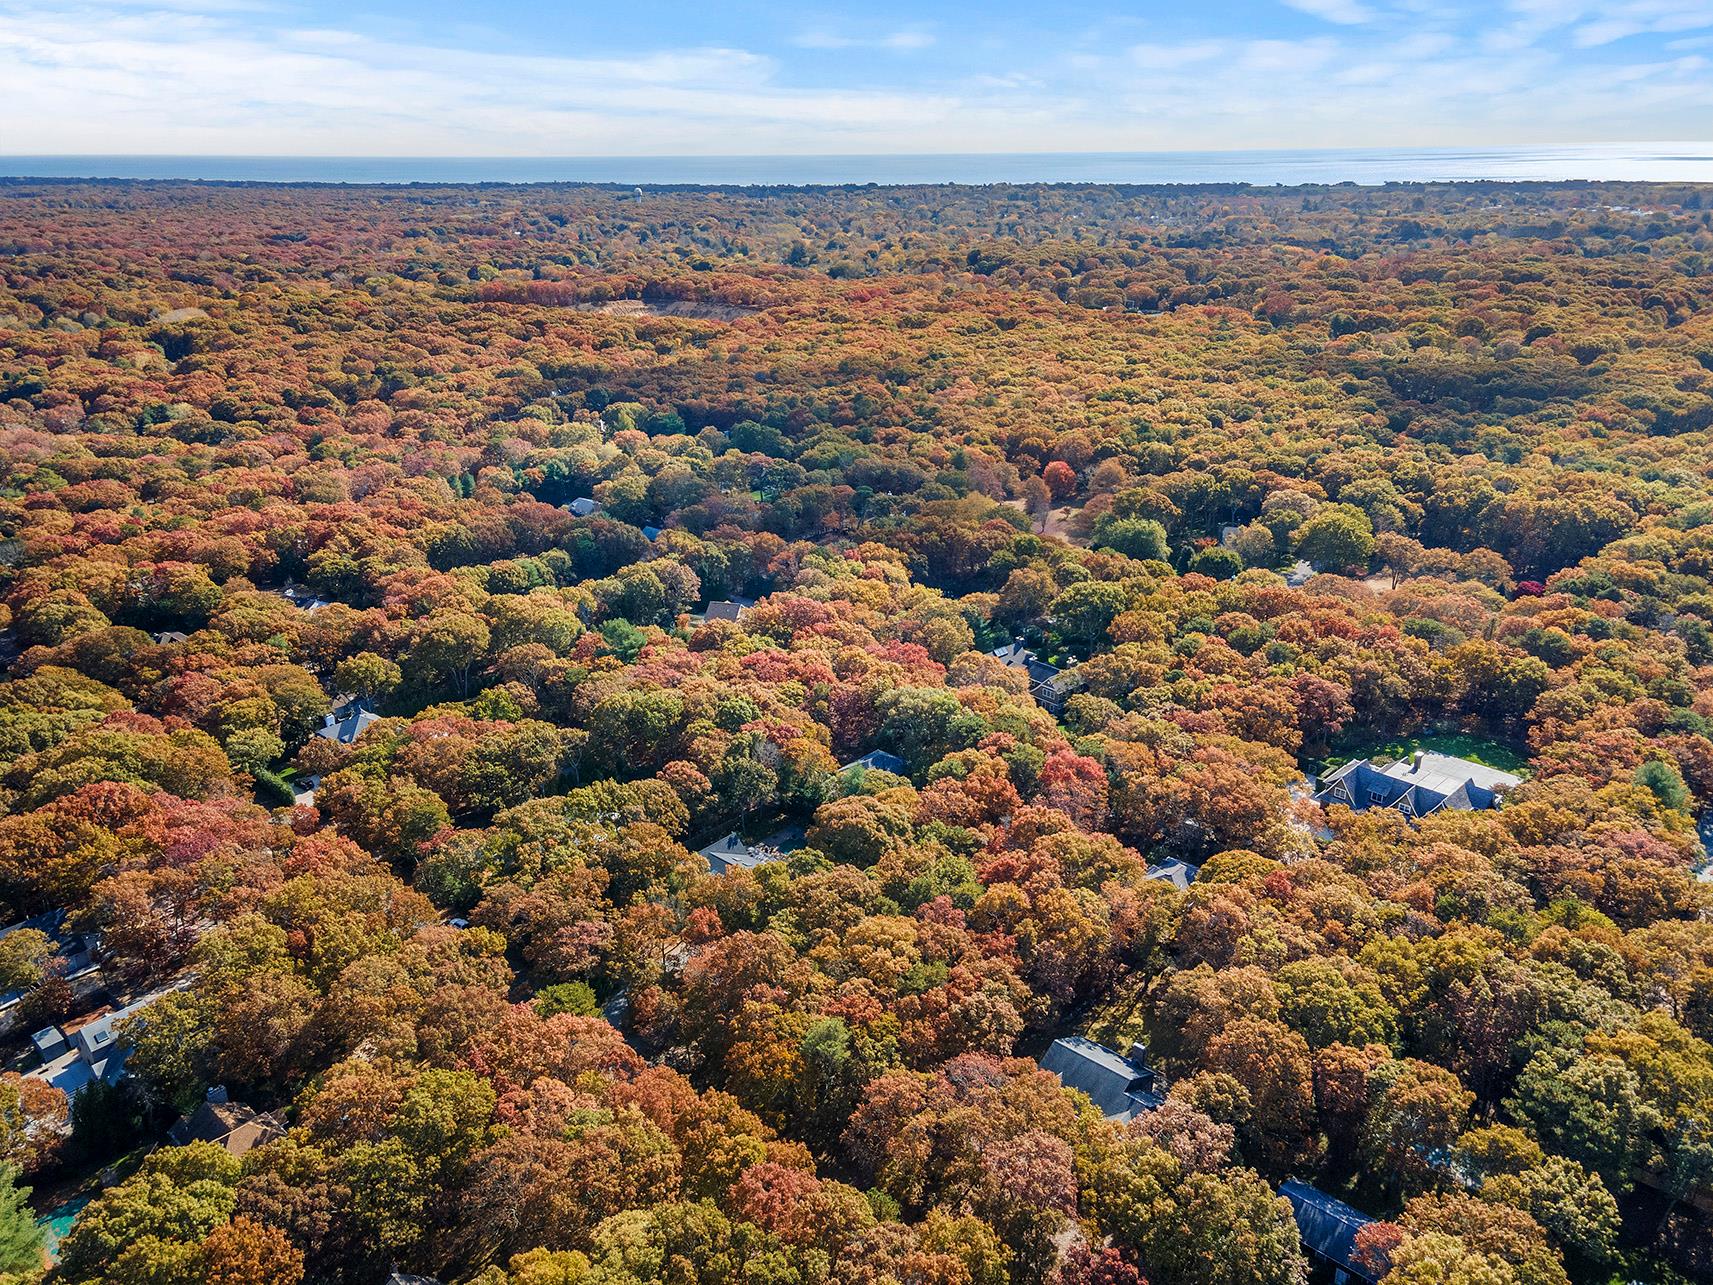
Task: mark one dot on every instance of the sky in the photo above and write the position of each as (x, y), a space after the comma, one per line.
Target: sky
(752, 77)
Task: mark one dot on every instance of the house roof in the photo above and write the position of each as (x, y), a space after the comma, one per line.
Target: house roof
(50, 922)
(730, 850)
(1180, 874)
(1061, 680)
(728, 609)
(880, 761)
(97, 1042)
(307, 599)
(1108, 1077)
(582, 506)
(1327, 1226)
(236, 1127)
(347, 729)
(1016, 655)
(1417, 786)
(1445, 775)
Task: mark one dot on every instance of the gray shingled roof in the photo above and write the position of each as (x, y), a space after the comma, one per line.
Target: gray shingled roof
(1327, 1226)
(1108, 1077)
(880, 761)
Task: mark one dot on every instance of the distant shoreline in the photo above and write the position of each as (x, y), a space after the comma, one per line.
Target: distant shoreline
(1690, 162)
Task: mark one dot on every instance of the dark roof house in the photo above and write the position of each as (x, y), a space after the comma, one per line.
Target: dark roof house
(1328, 1229)
(346, 728)
(1417, 786)
(1120, 1087)
(1180, 874)
(879, 761)
(1015, 655)
(729, 609)
(307, 599)
(1048, 684)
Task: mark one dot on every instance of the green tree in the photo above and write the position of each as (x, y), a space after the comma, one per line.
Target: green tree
(449, 646)
(150, 1227)
(23, 952)
(20, 1238)
(1140, 538)
(1666, 782)
(368, 677)
(171, 1048)
(1337, 537)
(1225, 1229)
(1221, 564)
(1589, 1107)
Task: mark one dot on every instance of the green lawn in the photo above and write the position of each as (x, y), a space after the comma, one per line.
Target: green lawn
(1506, 756)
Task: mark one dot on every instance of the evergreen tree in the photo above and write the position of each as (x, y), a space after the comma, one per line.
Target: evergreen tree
(20, 1238)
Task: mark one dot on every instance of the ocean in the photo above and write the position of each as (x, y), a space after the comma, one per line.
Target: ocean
(1644, 162)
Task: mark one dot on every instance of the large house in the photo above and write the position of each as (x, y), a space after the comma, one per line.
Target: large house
(1328, 1230)
(346, 724)
(81, 1055)
(1417, 786)
(732, 853)
(733, 608)
(1120, 1087)
(879, 761)
(232, 1126)
(1048, 684)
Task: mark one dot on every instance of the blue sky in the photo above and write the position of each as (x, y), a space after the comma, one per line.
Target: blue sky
(750, 76)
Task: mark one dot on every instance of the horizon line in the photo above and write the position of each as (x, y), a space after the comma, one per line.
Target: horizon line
(1455, 148)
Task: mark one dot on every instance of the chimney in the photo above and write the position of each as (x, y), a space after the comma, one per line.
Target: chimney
(1416, 761)
(1139, 1053)
(329, 721)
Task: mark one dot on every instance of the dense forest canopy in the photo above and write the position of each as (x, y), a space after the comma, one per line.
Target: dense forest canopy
(270, 456)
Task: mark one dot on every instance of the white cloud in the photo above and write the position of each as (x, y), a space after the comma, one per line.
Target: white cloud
(1345, 12)
(93, 76)
(907, 39)
(1168, 57)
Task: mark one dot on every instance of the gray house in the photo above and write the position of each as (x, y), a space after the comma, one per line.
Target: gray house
(1418, 786)
(879, 761)
(1048, 684)
(347, 724)
(732, 853)
(1328, 1229)
(732, 609)
(582, 507)
(50, 1043)
(1121, 1087)
(1180, 874)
